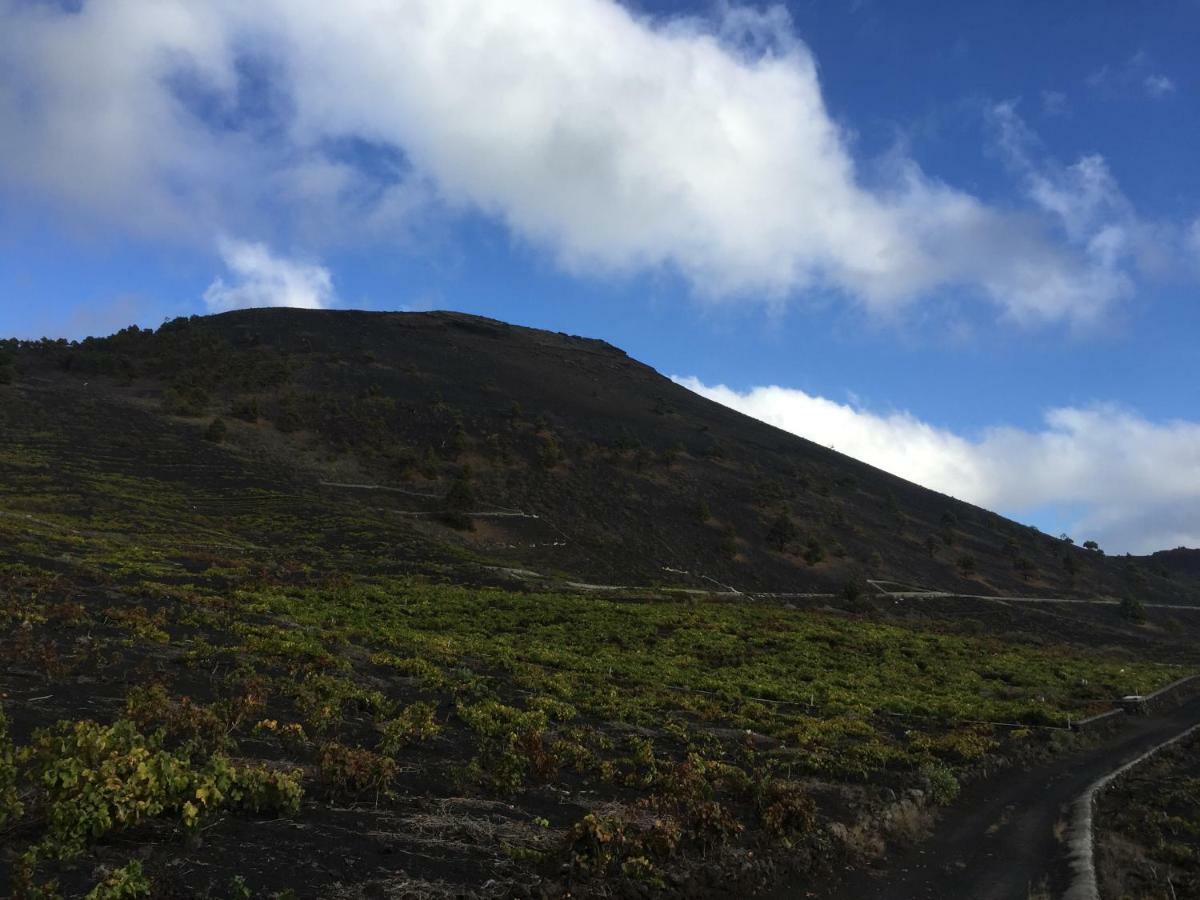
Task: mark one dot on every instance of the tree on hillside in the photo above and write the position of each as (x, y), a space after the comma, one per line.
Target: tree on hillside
(782, 533)
(1025, 566)
(216, 431)
(1132, 610)
(458, 502)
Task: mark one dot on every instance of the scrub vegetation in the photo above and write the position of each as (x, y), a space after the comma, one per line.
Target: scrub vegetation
(224, 673)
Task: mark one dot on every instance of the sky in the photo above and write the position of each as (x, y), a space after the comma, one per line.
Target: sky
(960, 242)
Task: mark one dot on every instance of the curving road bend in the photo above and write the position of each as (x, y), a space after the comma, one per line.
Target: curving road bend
(1003, 838)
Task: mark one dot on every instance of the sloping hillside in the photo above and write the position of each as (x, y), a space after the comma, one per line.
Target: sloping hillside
(290, 606)
(525, 449)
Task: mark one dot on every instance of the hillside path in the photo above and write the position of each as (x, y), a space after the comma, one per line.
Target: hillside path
(1001, 838)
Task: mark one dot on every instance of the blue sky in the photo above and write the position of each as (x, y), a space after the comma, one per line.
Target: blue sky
(961, 240)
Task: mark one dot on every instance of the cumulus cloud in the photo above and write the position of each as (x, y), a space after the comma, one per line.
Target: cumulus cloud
(615, 142)
(263, 279)
(1134, 481)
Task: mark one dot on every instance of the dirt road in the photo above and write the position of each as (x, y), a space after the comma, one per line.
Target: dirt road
(999, 840)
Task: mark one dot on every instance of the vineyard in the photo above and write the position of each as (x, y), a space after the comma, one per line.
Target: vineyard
(222, 677)
(645, 741)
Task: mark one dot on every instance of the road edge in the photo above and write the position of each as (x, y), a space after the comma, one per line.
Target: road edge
(1081, 838)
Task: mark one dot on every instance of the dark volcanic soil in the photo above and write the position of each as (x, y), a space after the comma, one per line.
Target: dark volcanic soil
(1002, 838)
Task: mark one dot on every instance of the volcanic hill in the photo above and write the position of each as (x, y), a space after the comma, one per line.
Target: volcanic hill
(511, 448)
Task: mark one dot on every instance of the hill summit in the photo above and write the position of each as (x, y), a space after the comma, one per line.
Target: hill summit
(520, 450)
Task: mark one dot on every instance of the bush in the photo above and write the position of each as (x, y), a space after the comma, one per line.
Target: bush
(856, 594)
(246, 408)
(728, 547)
(943, 786)
(126, 883)
(260, 789)
(1132, 610)
(354, 769)
(216, 431)
(94, 780)
(457, 503)
(549, 452)
(10, 805)
(787, 811)
(190, 402)
(511, 741)
(415, 724)
(782, 532)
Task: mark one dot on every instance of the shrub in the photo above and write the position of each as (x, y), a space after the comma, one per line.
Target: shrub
(260, 789)
(416, 723)
(354, 769)
(966, 564)
(1132, 609)
(549, 452)
(291, 736)
(457, 503)
(511, 741)
(246, 408)
(943, 786)
(185, 401)
(289, 416)
(95, 780)
(322, 700)
(198, 727)
(782, 532)
(125, 883)
(854, 590)
(216, 431)
(10, 805)
(787, 811)
(728, 547)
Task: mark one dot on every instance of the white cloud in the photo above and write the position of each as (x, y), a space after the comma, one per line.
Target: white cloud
(262, 279)
(616, 143)
(1159, 85)
(1136, 481)
(1092, 211)
(1136, 75)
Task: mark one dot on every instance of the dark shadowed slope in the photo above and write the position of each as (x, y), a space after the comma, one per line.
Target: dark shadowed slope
(577, 459)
